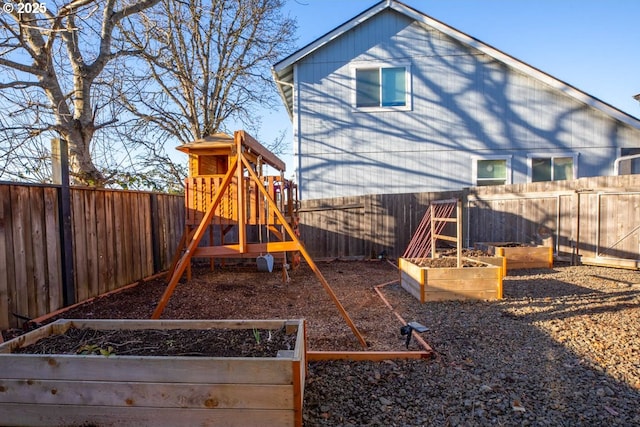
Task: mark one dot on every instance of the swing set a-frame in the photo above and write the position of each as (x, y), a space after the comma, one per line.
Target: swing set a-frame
(226, 189)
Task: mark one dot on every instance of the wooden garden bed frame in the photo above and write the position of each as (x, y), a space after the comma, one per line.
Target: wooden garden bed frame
(452, 283)
(520, 257)
(49, 390)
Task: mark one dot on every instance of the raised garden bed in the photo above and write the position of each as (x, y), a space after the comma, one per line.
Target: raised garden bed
(92, 384)
(440, 279)
(520, 255)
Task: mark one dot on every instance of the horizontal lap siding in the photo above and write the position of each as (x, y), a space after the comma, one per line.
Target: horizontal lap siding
(464, 103)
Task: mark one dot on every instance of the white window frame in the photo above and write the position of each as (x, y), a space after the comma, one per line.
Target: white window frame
(474, 167)
(371, 65)
(551, 156)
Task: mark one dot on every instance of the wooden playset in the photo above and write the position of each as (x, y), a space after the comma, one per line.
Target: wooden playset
(471, 278)
(226, 189)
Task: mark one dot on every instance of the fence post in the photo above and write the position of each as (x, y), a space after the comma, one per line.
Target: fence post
(155, 233)
(60, 176)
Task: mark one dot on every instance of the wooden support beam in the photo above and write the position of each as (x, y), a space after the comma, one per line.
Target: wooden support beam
(445, 237)
(242, 207)
(276, 232)
(255, 248)
(433, 231)
(255, 147)
(370, 356)
(195, 240)
(417, 336)
(308, 258)
(447, 219)
(60, 166)
(186, 236)
(459, 234)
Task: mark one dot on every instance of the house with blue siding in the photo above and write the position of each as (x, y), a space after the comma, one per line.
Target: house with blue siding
(394, 101)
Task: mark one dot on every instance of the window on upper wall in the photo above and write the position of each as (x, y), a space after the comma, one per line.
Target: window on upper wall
(629, 166)
(552, 168)
(492, 171)
(382, 87)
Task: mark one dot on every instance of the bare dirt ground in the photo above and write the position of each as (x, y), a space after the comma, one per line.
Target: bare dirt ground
(244, 293)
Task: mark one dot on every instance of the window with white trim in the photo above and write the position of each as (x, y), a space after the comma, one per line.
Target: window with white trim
(558, 167)
(631, 165)
(382, 87)
(492, 171)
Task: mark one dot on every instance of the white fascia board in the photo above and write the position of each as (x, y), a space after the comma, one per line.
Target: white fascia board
(279, 84)
(332, 35)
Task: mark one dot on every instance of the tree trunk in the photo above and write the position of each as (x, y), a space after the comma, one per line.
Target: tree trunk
(81, 168)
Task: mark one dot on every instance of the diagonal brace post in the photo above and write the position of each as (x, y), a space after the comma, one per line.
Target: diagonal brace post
(304, 253)
(195, 241)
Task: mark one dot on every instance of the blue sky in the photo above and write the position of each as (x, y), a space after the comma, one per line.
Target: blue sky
(591, 44)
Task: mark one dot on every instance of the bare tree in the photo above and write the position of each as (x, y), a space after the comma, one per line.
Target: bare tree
(210, 65)
(55, 73)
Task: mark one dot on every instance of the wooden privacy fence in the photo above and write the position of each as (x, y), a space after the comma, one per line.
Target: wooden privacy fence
(594, 220)
(119, 237)
(363, 226)
(588, 220)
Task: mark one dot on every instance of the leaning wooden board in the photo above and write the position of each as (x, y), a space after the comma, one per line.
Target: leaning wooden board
(38, 390)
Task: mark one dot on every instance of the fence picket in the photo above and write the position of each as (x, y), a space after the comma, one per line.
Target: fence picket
(5, 230)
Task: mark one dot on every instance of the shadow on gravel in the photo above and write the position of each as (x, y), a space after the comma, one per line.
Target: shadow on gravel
(515, 287)
(550, 353)
(579, 305)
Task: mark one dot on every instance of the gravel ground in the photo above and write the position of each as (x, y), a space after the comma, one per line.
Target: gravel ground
(561, 349)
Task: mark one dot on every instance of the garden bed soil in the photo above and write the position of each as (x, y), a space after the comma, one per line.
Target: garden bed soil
(165, 342)
(448, 262)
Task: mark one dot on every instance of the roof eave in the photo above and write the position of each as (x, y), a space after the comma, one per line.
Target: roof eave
(280, 82)
(331, 35)
(285, 66)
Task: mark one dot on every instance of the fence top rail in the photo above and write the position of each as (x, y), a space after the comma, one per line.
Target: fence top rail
(443, 202)
(86, 188)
